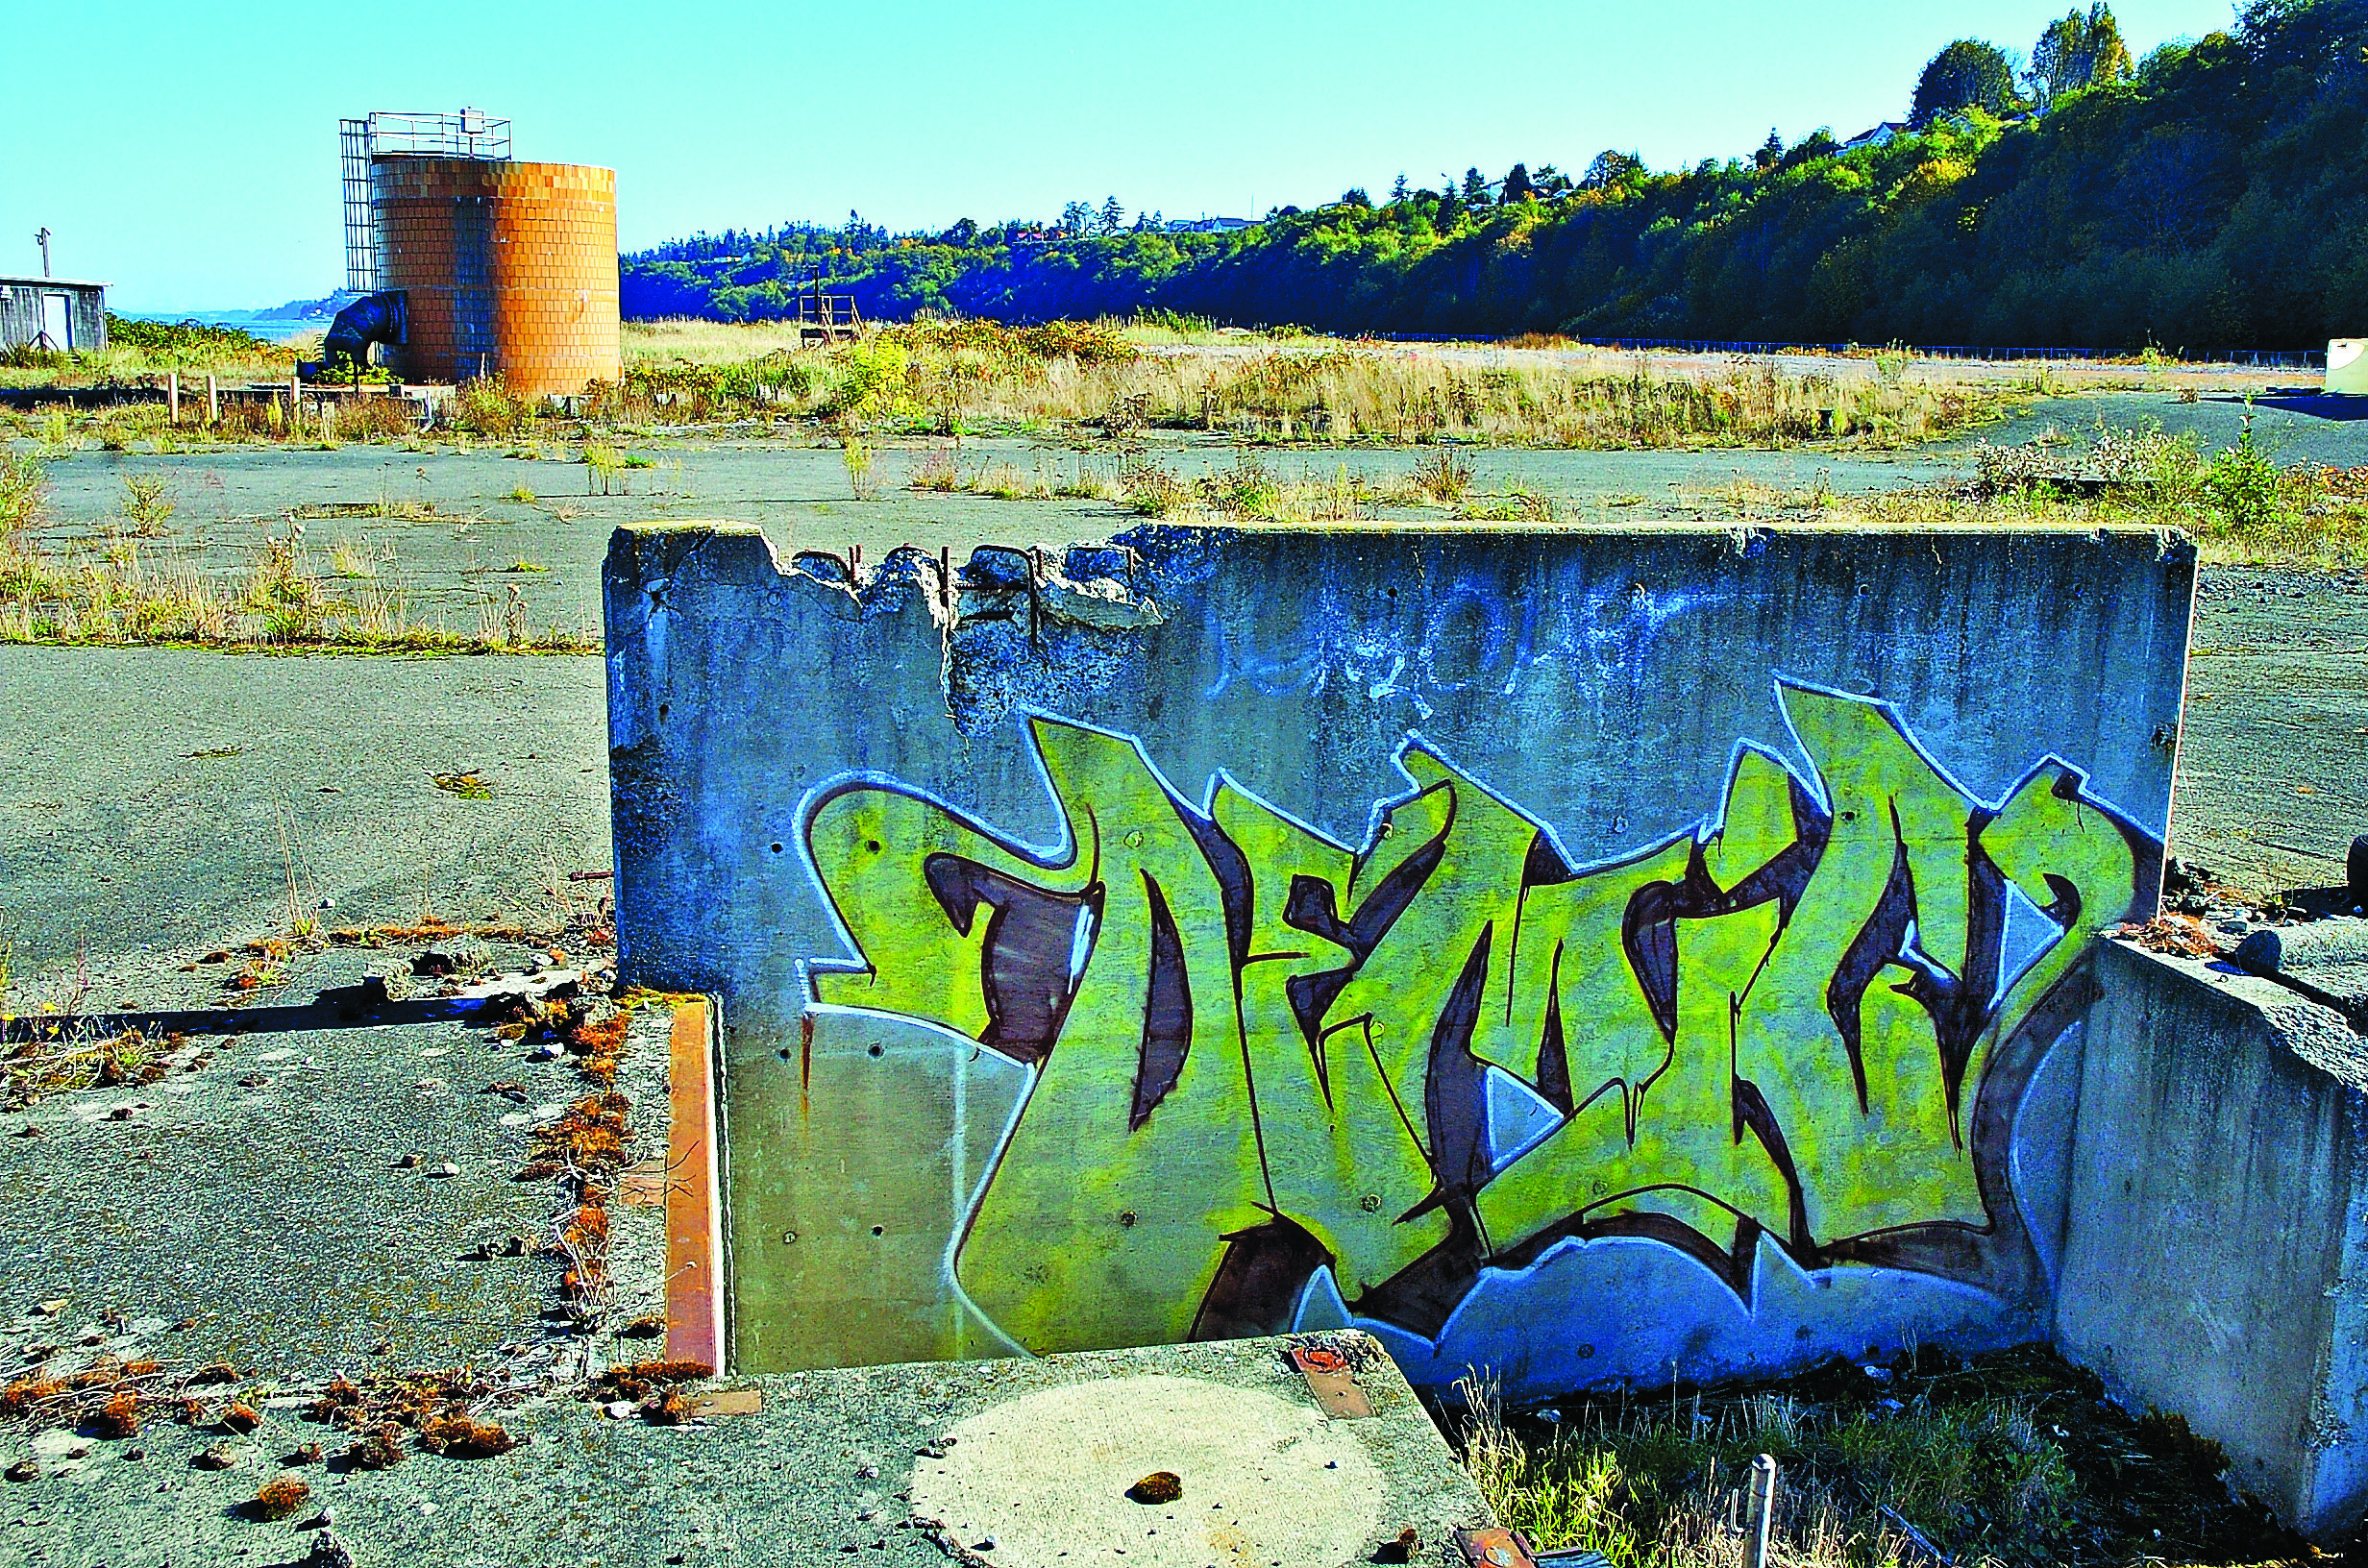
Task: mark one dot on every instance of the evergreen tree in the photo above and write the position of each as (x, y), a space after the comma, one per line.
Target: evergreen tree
(1518, 186)
(1968, 74)
(1400, 191)
(1771, 151)
(1475, 188)
(1355, 196)
(1113, 216)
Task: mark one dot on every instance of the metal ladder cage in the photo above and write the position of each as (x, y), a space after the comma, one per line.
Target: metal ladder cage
(471, 132)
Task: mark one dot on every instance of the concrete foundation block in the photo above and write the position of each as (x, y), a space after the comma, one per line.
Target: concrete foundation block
(2213, 1262)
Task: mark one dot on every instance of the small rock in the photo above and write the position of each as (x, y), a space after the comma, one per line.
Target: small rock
(122, 1113)
(253, 1080)
(135, 1455)
(447, 1168)
(619, 1408)
(984, 1543)
(220, 1456)
(409, 1162)
(50, 1308)
(24, 1470)
(543, 1053)
(322, 1520)
(1159, 1486)
(28, 1129)
(328, 1551)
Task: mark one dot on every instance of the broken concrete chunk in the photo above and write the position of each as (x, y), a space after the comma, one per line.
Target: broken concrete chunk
(998, 566)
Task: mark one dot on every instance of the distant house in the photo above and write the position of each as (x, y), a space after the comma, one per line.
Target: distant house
(63, 314)
(1205, 225)
(1879, 136)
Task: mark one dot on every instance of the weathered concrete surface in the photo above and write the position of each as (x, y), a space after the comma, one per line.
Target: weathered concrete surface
(833, 1463)
(155, 798)
(1305, 852)
(253, 1208)
(2215, 1262)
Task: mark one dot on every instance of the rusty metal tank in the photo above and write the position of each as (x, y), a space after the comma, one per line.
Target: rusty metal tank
(508, 269)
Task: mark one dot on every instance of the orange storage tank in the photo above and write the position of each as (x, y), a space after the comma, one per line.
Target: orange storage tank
(508, 270)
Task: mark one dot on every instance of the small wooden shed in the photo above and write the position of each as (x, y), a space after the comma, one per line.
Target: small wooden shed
(64, 315)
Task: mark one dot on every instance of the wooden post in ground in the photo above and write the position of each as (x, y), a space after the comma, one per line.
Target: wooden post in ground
(172, 396)
(214, 403)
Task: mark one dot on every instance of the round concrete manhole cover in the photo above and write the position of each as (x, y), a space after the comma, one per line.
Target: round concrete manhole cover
(1045, 1477)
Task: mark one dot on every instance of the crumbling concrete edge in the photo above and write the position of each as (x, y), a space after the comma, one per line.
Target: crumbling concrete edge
(695, 1287)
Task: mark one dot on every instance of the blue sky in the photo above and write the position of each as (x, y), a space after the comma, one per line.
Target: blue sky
(196, 166)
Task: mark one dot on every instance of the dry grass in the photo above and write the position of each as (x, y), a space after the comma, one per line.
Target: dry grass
(124, 591)
(973, 377)
(2238, 504)
(229, 356)
(57, 430)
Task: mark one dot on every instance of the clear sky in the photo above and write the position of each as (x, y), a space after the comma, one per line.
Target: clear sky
(187, 151)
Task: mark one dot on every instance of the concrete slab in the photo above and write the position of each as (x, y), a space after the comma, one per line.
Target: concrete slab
(831, 1465)
(255, 1197)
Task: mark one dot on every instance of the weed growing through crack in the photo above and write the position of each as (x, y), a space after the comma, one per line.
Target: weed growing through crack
(855, 455)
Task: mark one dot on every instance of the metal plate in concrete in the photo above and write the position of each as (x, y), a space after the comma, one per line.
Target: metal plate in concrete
(1047, 1477)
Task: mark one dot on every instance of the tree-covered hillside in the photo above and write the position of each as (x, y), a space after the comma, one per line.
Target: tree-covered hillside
(2214, 194)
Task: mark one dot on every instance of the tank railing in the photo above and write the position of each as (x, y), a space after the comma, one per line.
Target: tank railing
(468, 133)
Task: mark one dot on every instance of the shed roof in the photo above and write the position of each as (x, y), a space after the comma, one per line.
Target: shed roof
(7, 277)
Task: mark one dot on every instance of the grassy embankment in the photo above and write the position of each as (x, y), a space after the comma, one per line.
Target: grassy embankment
(127, 587)
(2009, 1461)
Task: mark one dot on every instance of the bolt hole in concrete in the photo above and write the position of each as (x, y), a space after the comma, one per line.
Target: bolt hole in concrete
(1053, 1476)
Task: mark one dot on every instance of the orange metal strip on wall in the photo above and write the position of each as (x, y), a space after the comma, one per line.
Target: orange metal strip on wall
(694, 1195)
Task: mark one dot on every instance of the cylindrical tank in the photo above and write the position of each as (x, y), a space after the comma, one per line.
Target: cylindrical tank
(508, 270)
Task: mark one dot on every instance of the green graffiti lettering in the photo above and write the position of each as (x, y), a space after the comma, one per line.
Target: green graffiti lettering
(1255, 1052)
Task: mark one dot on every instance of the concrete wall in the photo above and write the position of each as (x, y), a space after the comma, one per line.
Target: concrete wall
(1590, 954)
(2213, 1266)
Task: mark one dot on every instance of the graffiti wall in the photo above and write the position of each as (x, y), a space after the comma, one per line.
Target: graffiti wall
(1065, 1029)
